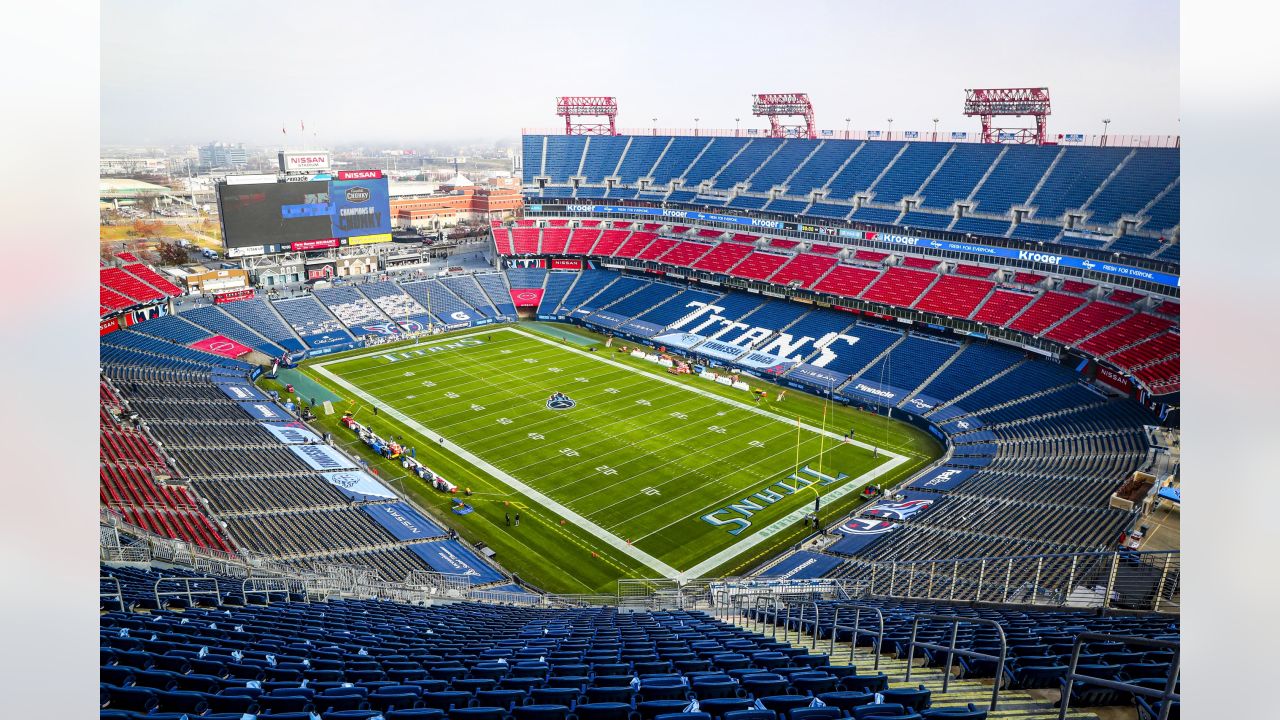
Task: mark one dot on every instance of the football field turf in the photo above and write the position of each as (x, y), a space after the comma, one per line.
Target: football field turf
(672, 477)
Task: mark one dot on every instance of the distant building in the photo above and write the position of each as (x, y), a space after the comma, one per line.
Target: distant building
(458, 200)
(223, 156)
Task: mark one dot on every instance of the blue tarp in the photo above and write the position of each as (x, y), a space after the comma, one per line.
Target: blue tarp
(1171, 493)
(450, 557)
(403, 521)
(802, 565)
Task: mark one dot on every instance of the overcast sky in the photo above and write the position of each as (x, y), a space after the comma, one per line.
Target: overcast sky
(417, 73)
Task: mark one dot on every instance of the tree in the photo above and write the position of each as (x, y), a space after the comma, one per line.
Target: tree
(143, 228)
(171, 253)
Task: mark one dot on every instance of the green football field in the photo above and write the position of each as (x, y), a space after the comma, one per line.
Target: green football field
(639, 473)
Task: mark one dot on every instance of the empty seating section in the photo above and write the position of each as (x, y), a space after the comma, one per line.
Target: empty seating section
(350, 306)
(1077, 175)
(657, 248)
(465, 287)
(959, 174)
(781, 205)
(1076, 286)
(558, 283)
(819, 168)
(172, 328)
(502, 240)
(1090, 319)
(257, 314)
(644, 300)
(884, 216)
(779, 167)
(825, 249)
(926, 220)
(635, 243)
(581, 241)
(772, 315)
(603, 154)
(846, 280)
(722, 257)
(1127, 332)
(1045, 311)
(863, 168)
(610, 241)
(498, 292)
(976, 363)
(554, 240)
(717, 154)
(128, 285)
(1027, 278)
(1135, 245)
(309, 318)
(640, 157)
(981, 226)
(684, 254)
(439, 301)
(215, 321)
(525, 241)
(1035, 231)
(804, 270)
(679, 155)
(1147, 352)
(1162, 377)
(109, 300)
(392, 300)
(1163, 215)
(955, 296)
(899, 286)
(134, 343)
(1144, 176)
(747, 162)
(759, 265)
(153, 278)
(908, 172)
(872, 341)
(588, 284)
(676, 308)
(978, 271)
(1002, 306)
(564, 156)
(920, 263)
(1022, 380)
(910, 362)
(310, 531)
(820, 322)
(874, 256)
(829, 210)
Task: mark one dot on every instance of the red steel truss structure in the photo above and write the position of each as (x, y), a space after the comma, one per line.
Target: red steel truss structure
(594, 106)
(988, 103)
(776, 106)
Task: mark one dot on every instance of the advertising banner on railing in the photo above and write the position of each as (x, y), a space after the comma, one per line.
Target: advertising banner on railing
(291, 433)
(325, 339)
(859, 533)
(943, 478)
(450, 557)
(321, 457)
(871, 391)
(403, 521)
(816, 376)
(606, 318)
(764, 362)
(358, 485)
(801, 566)
(720, 350)
(683, 341)
(676, 215)
(264, 411)
(920, 404)
(640, 328)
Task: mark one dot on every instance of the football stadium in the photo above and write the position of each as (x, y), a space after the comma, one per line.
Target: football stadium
(783, 422)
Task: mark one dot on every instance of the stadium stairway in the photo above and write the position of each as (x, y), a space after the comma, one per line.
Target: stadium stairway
(961, 692)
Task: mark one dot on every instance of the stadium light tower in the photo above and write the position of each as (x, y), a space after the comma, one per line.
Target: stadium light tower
(776, 106)
(594, 106)
(988, 103)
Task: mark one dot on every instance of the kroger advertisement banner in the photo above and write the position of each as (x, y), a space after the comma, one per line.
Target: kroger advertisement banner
(401, 520)
(321, 457)
(241, 391)
(450, 557)
(944, 478)
(912, 503)
(358, 485)
(526, 297)
(221, 345)
(264, 411)
(801, 566)
(292, 433)
(920, 404)
(857, 534)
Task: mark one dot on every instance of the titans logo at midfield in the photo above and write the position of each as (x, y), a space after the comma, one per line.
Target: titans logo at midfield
(560, 401)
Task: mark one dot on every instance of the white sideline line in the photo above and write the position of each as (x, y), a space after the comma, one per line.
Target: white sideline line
(590, 527)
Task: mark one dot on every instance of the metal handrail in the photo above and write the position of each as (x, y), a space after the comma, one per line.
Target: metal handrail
(801, 621)
(269, 586)
(187, 590)
(756, 610)
(1165, 695)
(118, 594)
(952, 650)
(853, 640)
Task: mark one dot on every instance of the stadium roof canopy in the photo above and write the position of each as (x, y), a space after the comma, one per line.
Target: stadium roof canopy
(124, 189)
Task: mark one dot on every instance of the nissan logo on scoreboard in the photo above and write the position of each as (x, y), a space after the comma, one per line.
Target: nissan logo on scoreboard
(359, 174)
(304, 161)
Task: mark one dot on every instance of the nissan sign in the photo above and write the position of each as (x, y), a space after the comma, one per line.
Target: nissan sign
(359, 174)
(310, 161)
